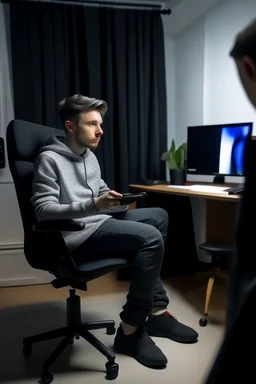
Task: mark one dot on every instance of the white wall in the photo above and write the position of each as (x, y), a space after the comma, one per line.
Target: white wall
(170, 85)
(6, 99)
(11, 229)
(13, 266)
(207, 87)
(224, 98)
(208, 90)
(189, 95)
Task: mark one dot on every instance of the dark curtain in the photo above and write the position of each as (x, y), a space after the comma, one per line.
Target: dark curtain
(113, 54)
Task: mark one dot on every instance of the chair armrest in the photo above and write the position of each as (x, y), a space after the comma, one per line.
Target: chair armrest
(58, 225)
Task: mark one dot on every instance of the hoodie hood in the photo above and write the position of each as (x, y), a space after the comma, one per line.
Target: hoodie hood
(56, 144)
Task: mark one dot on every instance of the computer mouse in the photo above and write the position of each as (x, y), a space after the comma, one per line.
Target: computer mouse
(152, 182)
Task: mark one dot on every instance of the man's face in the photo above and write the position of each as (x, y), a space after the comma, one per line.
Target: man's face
(86, 132)
(247, 73)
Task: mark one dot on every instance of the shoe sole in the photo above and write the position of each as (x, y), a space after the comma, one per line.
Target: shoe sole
(145, 363)
(184, 341)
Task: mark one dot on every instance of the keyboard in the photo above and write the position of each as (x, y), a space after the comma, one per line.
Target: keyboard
(200, 188)
(207, 188)
(211, 188)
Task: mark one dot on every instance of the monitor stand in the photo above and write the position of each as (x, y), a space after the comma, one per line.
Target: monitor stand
(219, 179)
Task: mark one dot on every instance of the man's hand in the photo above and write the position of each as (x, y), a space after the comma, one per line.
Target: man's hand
(108, 200)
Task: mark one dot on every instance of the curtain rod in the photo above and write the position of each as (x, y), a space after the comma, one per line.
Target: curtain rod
(153, 7)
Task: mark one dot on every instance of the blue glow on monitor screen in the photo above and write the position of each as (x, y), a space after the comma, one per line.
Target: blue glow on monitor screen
(217, 149)
(233, 141)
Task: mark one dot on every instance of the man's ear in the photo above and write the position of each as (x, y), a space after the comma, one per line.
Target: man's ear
(250, 67)
(69, 126)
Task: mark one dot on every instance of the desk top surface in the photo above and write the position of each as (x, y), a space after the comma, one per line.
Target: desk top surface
(176, 190)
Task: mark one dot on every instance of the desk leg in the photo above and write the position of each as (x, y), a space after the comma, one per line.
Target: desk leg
(220, 221)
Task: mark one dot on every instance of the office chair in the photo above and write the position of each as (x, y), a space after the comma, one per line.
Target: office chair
(45, 249)
(220, 253)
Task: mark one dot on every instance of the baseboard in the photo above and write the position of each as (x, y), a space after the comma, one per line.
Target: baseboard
(18, 281)
(11, 246)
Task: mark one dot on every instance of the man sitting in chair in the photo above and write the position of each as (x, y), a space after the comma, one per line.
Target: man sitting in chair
(68, 185)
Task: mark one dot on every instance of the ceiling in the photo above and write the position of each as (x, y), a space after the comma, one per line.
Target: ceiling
(185, 13)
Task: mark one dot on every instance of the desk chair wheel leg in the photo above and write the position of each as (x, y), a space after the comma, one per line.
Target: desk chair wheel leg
(47, 377)
(111, 330)
(112, 370)
(77, 337)
(111, 367)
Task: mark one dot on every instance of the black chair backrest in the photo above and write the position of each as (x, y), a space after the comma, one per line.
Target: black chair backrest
(24, 140)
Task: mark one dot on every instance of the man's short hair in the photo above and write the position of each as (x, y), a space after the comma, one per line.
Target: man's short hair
(245, 44)
(70, 108)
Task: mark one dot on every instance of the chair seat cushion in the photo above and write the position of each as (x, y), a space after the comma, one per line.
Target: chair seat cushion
(92, 269)
(113, 263)
(217, 248)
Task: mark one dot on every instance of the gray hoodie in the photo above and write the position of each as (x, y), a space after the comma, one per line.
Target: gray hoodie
(65, 186)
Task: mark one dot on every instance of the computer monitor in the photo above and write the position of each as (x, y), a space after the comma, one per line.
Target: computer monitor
(215, 153)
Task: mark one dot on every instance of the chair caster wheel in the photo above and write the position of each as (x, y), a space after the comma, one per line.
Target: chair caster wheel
(77, 337)
(111, 331)
(203, 322)
(112, 370)
(47, 377)
(27, 350)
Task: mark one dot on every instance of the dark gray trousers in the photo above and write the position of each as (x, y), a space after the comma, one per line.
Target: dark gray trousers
(141, 233)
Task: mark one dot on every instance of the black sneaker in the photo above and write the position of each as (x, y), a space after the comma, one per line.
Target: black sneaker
(140, 346)
(165, 325)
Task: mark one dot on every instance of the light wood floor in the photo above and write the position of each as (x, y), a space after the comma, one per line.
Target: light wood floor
(12, 296)
(192, 288)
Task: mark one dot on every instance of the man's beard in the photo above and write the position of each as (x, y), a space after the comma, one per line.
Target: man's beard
(87, 144)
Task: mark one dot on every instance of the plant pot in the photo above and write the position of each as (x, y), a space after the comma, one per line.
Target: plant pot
(177, 176)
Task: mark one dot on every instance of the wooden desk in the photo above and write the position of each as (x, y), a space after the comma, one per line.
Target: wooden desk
(168, 189)
(221, 209)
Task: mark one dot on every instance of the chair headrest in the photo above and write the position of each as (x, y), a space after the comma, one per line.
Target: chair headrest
(24, 139)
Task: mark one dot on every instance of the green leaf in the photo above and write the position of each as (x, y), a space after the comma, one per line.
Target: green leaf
(172, 149)
(172, 164)
(166, 156)
(182, 147)
(175, 157)
(180, 156)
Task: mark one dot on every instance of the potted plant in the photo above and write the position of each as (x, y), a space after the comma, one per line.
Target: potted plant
(175, 159)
